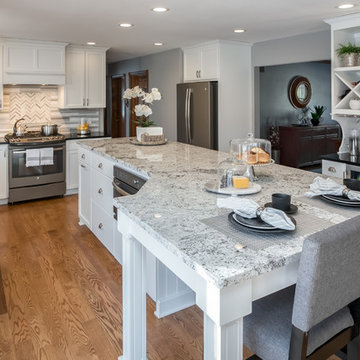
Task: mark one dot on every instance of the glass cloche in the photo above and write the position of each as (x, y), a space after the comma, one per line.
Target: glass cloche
(231, 173)
(251, 150)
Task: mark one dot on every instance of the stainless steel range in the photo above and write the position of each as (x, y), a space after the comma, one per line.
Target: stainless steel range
(31, 177)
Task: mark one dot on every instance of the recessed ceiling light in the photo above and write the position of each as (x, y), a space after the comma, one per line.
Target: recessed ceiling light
(126, 25)
(346, 6)
(160, 9)
(91, 43)
(158, 43)
(239, 31)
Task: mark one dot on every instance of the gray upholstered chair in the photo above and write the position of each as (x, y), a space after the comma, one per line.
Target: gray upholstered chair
(320, 315)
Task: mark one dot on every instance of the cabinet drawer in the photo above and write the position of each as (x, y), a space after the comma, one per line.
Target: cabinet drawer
(102, 226)
(103, 165)
(84, 156)
(102, 191)
(333, 168)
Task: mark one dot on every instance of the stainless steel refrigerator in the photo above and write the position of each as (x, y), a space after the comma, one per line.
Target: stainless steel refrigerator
(197, 114)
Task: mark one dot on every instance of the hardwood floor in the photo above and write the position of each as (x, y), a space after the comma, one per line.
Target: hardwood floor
(60, 292)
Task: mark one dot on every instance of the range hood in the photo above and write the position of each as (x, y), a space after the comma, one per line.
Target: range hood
(33, 62)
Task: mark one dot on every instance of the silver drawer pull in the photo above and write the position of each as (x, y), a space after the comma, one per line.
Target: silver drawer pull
(100, 191)
(100, 226)
(100, 166)
(83, 156)
(332, 169)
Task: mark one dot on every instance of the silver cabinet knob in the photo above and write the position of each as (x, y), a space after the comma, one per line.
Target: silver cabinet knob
(83, 166)
(83, 156)
(332, 169)
(100, 226)
(100, 191)
(100, 166)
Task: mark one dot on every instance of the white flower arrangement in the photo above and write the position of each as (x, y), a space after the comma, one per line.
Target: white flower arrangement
(143, 110)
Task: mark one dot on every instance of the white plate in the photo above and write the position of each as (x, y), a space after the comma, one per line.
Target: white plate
(214, 187)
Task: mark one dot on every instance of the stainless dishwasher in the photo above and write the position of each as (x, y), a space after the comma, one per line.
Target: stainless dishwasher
(125, 183)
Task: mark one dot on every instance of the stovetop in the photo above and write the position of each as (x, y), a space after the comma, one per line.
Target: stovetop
(33, 138)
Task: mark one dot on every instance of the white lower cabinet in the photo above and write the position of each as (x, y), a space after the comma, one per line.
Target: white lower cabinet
(4, 185)
(96, 211)
(102, 225)
(333, 168)
(84, 194)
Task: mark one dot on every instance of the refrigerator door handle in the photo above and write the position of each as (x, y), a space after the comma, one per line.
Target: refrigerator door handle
(189, 115)
(186, 114)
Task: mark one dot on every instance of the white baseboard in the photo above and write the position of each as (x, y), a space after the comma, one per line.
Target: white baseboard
(71, 192)
(3, 201)
(172, 304)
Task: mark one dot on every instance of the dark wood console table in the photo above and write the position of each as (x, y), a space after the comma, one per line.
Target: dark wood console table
(304, 146)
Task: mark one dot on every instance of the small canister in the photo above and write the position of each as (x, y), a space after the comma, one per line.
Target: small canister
(354, 143)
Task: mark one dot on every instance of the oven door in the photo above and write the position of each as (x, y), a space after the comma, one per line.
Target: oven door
(20, 175)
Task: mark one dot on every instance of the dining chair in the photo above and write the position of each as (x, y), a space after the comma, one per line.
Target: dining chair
(321, 314)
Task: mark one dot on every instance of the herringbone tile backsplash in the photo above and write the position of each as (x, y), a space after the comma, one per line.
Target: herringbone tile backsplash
(39, 106)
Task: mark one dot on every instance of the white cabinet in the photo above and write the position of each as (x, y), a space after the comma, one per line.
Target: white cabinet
(85, 191)
(34, 62)
(4, 187)
(201, 62)
(333, 168)
(1, 77)
(85, 85)
(72, 166)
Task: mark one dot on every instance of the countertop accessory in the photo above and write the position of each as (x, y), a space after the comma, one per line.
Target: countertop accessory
(354, 143)
(135, 141)
(49, 130)
(340, 200)
(352, 184)
(256, 224)
(250, 209)
(84, 132)
(292, 210)
(215, 187)
(328, 186)
(281, 201)
(254, 152)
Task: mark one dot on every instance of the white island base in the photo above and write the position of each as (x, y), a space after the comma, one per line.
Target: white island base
(224, 308)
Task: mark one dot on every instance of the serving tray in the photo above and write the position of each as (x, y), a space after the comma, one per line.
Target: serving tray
(214, 187)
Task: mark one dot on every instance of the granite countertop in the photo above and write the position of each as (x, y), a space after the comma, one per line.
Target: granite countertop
(171, 205)
(343, 158)
(93, 135)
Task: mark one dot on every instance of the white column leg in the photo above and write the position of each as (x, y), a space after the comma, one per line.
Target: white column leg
(223, 342)
(134, 300)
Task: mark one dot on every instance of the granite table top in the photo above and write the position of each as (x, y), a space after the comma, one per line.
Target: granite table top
(173, 203)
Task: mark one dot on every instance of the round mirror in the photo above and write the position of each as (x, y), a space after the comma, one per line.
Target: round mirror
(299, 91)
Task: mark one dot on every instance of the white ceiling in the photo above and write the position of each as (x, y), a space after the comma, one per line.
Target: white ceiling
(188, 22)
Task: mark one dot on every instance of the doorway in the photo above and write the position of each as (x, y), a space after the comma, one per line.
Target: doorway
(141, 79)
(118, 118)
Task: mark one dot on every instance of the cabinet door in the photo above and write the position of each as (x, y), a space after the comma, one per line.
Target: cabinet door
(209, 62)
(74, 96)
(3, 173)
(1, 76)
(192, 63)
(95, 79)
(72, 170)
(84, 194)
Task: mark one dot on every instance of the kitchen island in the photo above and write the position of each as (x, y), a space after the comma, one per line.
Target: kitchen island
(169, 217)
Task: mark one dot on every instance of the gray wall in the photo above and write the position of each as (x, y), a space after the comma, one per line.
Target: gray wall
(294, 49)
(275, 106)
(165, 71)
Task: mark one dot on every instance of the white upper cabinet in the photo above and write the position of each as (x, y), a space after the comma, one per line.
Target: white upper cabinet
(34, 62)
(201, 62)
(85, 85)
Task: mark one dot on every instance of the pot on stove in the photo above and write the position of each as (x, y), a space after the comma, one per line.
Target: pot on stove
(19, 129)
(49, 130)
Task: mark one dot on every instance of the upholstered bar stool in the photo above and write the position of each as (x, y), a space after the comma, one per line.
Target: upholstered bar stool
(319, 316)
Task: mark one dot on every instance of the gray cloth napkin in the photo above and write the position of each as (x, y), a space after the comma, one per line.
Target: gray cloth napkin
(250, 209)
(328, 186)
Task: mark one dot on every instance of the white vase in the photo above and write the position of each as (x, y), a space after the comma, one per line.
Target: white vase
(151, 130)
